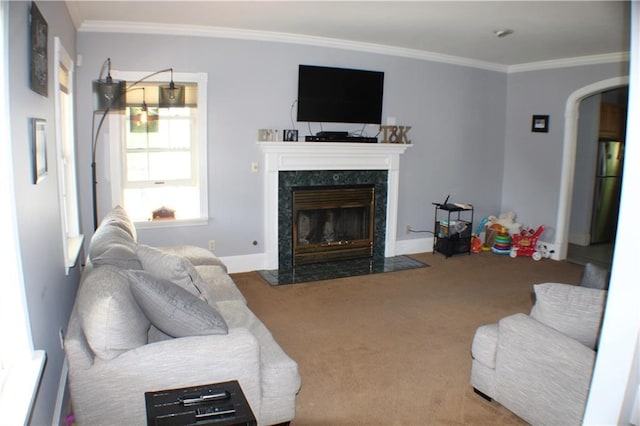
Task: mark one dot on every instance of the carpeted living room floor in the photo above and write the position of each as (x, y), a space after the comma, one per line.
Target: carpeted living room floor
(394, 348)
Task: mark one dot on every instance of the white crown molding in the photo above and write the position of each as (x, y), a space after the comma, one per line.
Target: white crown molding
(270, 36)
(98, 26)
(570, 62)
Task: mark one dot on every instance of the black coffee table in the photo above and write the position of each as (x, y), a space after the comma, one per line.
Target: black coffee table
(219, 404)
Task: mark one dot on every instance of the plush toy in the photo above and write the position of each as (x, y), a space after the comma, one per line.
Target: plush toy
(505, 220)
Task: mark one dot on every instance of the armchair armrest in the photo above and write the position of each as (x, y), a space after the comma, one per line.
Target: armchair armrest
(541, 374)
(168, 364)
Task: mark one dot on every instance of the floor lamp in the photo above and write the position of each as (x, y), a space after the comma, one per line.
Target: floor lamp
(109, 95)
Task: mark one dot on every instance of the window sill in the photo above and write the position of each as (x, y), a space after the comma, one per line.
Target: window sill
(171, 223)
(74, 246)
(20, 388)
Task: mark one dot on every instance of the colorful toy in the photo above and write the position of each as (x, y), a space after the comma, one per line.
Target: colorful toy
(524, 243)
(502, 243)
(476, 242)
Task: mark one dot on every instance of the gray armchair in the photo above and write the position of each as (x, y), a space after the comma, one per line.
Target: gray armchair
(539, 366)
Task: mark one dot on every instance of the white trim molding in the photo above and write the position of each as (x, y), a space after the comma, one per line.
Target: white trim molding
(569, 158)
(100, 26)
(290, 156)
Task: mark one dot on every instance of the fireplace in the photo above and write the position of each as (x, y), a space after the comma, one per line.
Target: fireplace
(334, 223)
(328, 215)
(300, 164)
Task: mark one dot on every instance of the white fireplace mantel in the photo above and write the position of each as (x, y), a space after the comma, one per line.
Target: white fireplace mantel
(289, 156)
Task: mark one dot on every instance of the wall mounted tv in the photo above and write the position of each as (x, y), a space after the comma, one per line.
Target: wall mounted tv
(339, 95)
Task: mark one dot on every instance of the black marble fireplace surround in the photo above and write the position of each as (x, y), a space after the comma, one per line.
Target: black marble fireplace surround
(290, 180)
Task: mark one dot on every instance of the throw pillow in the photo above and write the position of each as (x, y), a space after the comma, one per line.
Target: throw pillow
(111, 245)
(111, 320)
(572, 310)
(172, 309)
(595, 277)
(172, 267)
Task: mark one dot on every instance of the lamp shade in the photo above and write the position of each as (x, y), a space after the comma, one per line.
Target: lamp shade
(171, 96)
(109, 94)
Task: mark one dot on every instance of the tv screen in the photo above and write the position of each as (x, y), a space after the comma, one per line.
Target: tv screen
(339, 95)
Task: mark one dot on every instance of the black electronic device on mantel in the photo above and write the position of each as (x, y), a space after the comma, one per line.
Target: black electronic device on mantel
(339, 95)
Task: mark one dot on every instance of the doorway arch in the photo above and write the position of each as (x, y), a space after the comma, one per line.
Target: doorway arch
(569, 155)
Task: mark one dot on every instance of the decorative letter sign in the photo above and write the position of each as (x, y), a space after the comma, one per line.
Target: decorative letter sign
(395, 134)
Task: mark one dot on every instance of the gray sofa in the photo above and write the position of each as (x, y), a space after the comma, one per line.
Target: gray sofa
(148, 319)
(539, 366)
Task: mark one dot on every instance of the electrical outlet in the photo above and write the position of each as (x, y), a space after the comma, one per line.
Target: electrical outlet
(408, 230)
(212, 245)
(61, 336)
(255, 167)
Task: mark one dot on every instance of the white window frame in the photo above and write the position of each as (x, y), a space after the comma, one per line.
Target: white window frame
(116, 128)
(20, 365)
(65, 156)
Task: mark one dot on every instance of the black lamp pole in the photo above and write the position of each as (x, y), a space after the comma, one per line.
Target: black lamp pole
(109, 96)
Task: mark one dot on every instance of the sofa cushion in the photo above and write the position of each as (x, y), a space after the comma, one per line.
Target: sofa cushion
(571, 310)
(219, 285)
(173, 268)
(279, 373)
(172, 309)
(119, 217)
(110, 318)
(196, 255)
(112, 245)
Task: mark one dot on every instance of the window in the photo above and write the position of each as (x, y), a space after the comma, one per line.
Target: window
(160, 160)
(65, 153)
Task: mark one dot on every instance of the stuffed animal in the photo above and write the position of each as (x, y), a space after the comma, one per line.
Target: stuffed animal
(505, 220)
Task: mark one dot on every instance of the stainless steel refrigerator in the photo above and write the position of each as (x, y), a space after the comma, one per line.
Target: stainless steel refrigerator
(606, 197)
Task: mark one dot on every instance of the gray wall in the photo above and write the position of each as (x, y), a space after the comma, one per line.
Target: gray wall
(457, 116)
(50, 293)
(533, 161)
(471, 136)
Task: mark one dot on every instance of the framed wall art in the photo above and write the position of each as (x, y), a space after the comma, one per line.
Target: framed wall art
(39, 149)
(38, 72)
(540, 124)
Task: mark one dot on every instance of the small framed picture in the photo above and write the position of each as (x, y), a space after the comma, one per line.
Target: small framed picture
(289, 135)
(39, 149)
(38, 73)
(540, 124)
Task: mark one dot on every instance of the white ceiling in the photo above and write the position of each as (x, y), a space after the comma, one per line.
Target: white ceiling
(542, 30)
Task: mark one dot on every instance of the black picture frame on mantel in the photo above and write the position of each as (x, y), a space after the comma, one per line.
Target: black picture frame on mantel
(540, 124)
(38, 58)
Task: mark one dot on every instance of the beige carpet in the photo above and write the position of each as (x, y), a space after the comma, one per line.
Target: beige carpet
(394, 348)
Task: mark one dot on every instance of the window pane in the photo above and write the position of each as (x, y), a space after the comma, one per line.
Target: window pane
(137, 167)
(136, 140)
(169, 165)
(141, 202)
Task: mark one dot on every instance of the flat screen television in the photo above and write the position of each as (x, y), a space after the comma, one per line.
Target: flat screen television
(339, 95)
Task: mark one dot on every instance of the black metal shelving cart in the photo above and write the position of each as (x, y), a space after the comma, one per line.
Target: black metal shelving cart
(452, 229)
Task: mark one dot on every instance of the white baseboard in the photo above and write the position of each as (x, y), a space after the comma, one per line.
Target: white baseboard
(256, 262)
(419, 245)
(63, 402)
(245, 263)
